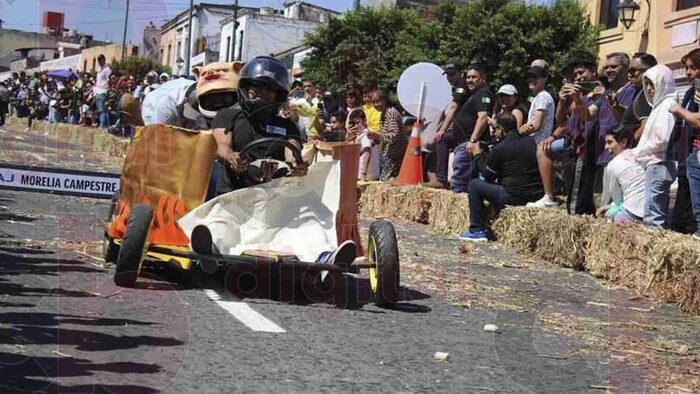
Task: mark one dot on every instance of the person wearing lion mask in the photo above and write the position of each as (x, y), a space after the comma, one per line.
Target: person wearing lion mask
(193, 105)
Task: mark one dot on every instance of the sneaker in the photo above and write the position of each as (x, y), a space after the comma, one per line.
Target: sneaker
(344, 255)
(544, 202)
(202, 241)
(474, 236)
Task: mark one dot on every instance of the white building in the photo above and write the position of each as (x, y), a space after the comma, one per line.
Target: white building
(206, 26)
(269, 31)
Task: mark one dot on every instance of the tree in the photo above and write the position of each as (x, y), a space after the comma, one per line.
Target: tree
(138, 67)
(373, 47)
(370, 47)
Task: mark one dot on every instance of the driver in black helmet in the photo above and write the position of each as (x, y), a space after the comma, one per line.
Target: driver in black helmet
(263, 90)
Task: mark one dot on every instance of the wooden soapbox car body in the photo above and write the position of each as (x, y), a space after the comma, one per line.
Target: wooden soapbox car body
(166, 174)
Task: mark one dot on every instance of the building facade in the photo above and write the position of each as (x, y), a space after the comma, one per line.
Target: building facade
(112, 52)
(269, 31)
(667, 29)
(206, 26)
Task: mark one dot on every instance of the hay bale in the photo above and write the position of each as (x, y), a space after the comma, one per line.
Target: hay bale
(443, 210)
(674, 275)
(551, 235)
(449, 211)
(616, 252)
(405, 202)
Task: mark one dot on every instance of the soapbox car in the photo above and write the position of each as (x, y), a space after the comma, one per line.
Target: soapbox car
(166, 174)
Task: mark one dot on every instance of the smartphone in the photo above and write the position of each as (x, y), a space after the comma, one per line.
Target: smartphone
(696, 83)
(319, 106)
(588, 87)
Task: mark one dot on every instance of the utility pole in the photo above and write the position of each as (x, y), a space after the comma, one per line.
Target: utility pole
(188, 53)
(126, 23)
(233, 33)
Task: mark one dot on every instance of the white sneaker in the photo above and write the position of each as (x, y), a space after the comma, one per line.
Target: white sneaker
(544, 202)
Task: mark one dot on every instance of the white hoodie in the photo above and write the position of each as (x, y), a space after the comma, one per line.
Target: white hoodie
(654, 143)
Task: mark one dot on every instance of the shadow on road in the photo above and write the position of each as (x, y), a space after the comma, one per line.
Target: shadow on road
(34, 374)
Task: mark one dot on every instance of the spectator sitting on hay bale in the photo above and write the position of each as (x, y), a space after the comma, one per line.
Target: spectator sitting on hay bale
(623, 182)
(513, 164)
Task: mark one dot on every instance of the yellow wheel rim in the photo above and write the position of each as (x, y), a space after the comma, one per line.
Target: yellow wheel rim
(372, 259)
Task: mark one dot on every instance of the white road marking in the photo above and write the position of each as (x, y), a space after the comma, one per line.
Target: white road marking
(245, 314)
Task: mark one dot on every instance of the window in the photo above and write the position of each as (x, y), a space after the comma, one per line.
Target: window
(240, 46)
(685, 4)
(228, 49)
(608, 13)
(85, 66)
(170, 54)
(93, 64)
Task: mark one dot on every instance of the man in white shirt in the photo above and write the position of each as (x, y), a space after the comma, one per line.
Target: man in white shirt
(623, 182)
(100, 91)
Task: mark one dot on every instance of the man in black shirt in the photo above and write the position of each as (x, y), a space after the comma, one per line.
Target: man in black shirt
(472, 121)
(262, 93)
(448, 137)
(510, 172)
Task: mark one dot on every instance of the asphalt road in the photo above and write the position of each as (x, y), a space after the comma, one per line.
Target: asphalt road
(65, 327)
(169, 335)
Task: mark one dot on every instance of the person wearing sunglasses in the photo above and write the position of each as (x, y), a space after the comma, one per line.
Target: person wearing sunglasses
(510, 175)
(636, 113)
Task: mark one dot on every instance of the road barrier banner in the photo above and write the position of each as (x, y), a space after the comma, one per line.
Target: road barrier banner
(58, 181)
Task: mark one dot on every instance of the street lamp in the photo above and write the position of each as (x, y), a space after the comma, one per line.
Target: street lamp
(627, 9)
(180, 64)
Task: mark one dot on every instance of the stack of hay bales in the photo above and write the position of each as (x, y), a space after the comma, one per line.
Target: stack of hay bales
(443, 210)
(659, 264)
(550, 235)
(96, 139)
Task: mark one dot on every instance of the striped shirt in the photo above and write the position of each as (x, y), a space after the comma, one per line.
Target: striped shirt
(391, 134)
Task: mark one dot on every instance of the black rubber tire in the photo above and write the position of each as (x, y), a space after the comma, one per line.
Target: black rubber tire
(110, 250)
(134, 246)
(387, 273)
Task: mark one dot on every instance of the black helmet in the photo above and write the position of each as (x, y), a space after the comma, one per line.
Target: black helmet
(271, 72)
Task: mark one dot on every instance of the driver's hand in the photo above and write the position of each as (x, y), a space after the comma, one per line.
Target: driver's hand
(300, 169)
(236, 162)
(224, 152)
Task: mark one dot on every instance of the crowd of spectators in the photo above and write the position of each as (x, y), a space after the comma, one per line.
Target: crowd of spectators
(89, 99)
(616, 142)
(619, 133)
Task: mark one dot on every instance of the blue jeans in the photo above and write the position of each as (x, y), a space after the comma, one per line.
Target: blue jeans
(462, 169)
(479, 191)
(693, 172)
(657, 184)
(103, 115)
(449, 141)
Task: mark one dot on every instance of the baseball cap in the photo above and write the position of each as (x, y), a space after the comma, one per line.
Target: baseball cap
(537, 72)
(508, 90)
(452, 67)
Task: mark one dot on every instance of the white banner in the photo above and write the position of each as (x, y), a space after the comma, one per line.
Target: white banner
(59, 181)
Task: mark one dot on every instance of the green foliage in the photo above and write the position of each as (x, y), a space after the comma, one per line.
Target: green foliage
(138, 67)
(373, 47)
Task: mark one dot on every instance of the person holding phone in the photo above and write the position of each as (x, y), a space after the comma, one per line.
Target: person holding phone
(575, 122)
(368, 169)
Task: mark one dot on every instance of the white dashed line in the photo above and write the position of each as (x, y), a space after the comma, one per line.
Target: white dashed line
(245, 314)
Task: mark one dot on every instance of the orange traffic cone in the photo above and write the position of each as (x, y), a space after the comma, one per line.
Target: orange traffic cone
(412, 166)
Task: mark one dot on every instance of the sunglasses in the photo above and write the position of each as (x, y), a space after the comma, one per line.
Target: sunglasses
(633, 70)
(352, 123)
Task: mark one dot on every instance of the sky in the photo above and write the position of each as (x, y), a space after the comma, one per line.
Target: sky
(104, 19)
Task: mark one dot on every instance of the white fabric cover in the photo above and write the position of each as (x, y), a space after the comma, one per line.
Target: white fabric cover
(288, 215)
